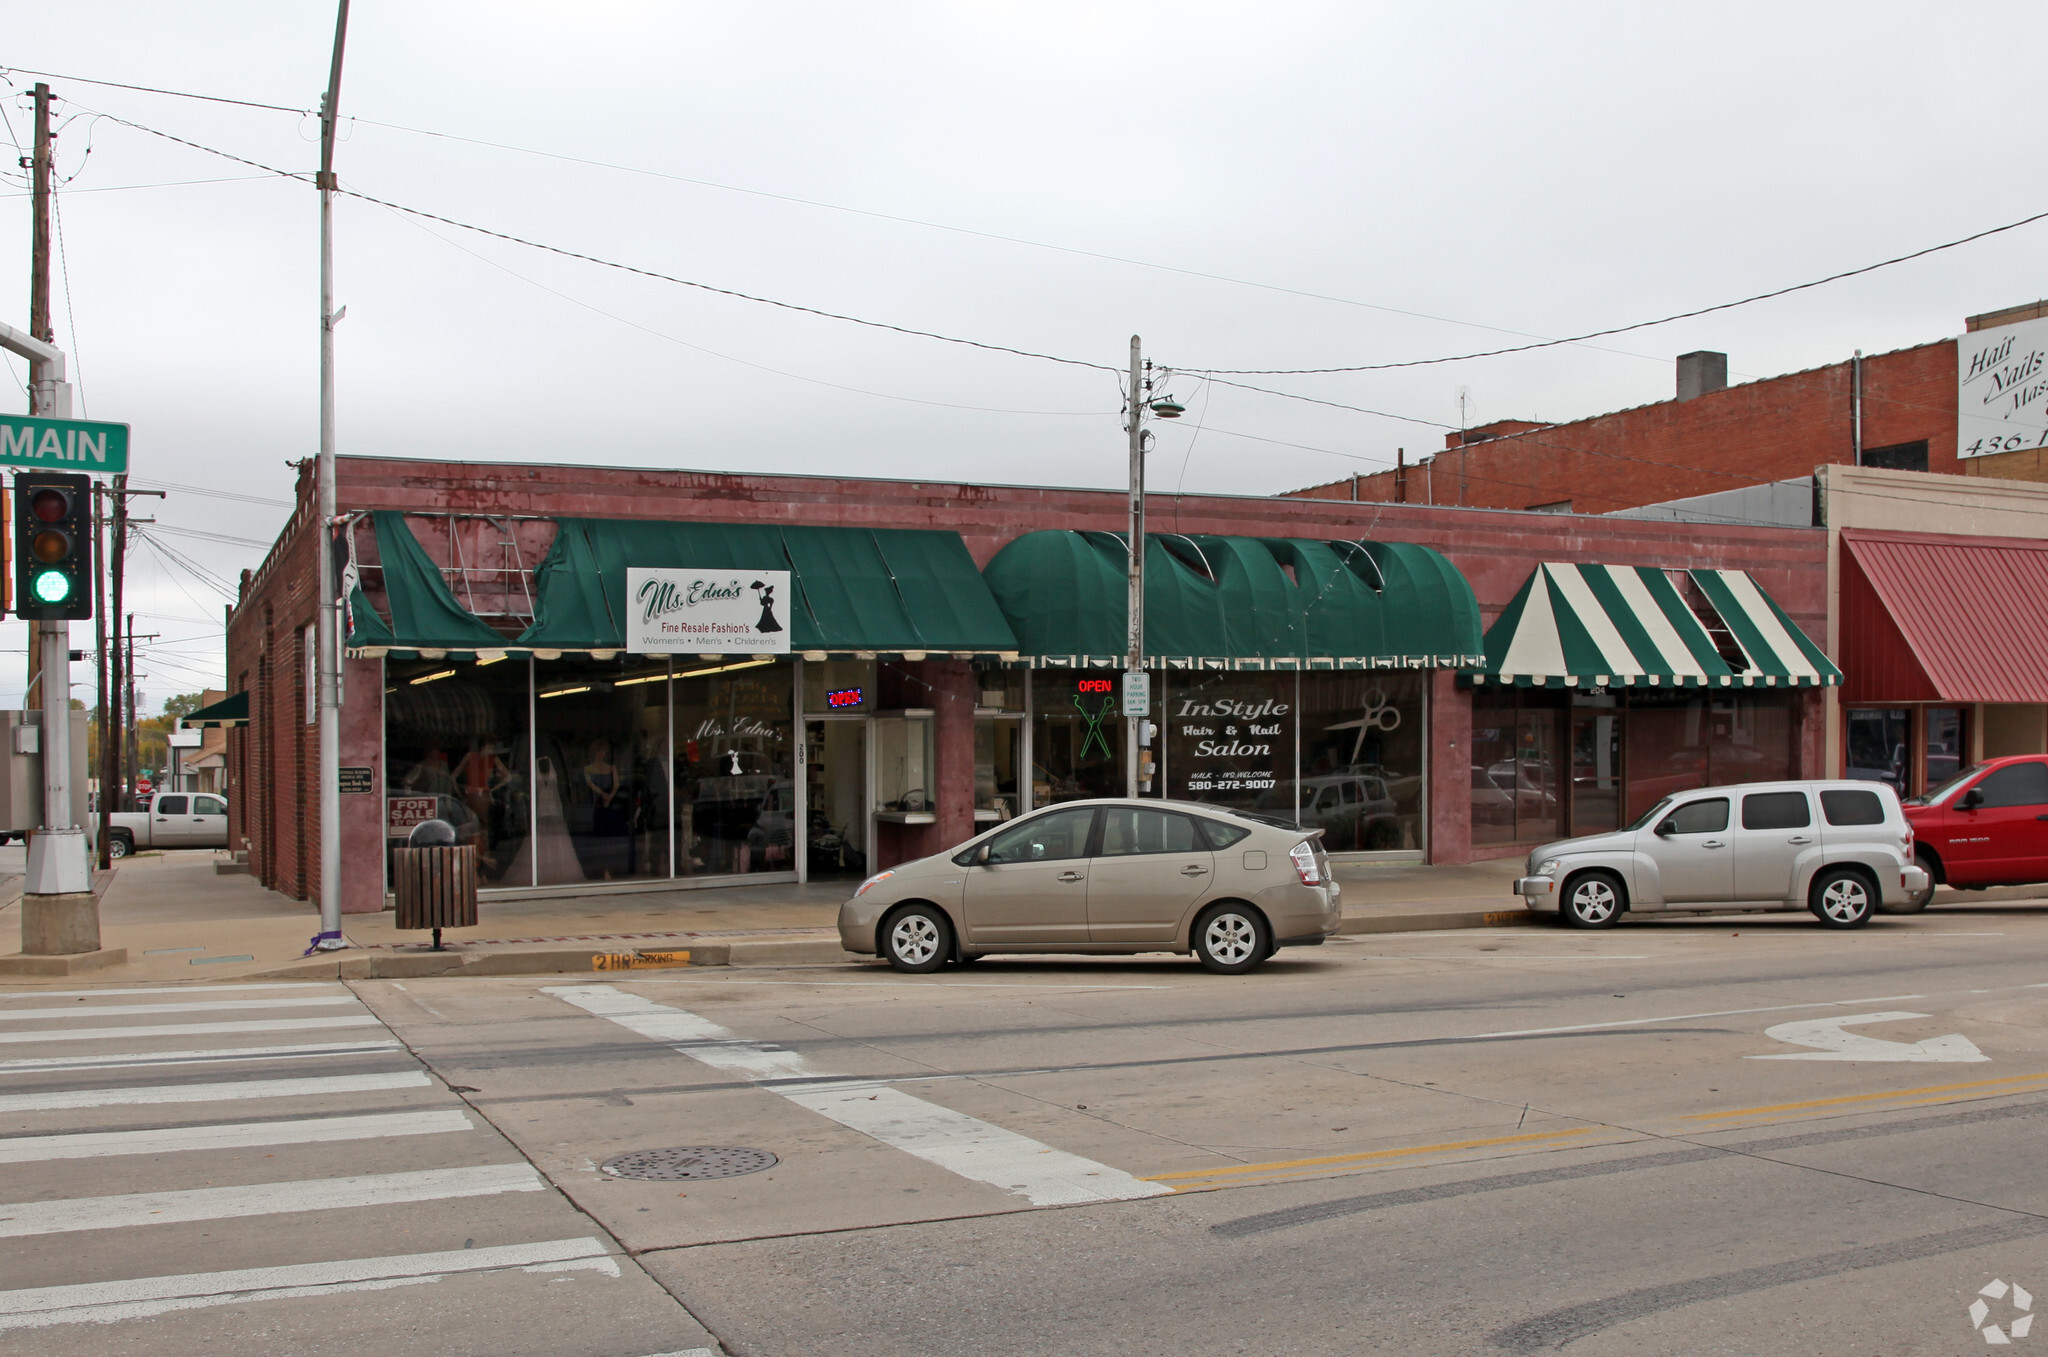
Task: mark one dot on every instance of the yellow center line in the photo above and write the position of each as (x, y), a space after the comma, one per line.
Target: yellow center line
(1370, 1156)
(1867, 1098)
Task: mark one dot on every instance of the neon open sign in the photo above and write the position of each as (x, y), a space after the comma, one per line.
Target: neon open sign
(844, 697)
(1094, 685)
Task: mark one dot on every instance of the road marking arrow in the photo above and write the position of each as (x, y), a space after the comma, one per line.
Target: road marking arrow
(1830, 1042)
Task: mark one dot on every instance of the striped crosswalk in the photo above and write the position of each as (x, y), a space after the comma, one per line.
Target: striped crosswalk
(145, 1123)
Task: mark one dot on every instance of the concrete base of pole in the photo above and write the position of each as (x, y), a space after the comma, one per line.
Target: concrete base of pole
(76, 964)
(58, 865)
(60, 925)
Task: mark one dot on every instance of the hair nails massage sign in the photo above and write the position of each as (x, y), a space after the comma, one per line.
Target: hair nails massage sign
(717, 612)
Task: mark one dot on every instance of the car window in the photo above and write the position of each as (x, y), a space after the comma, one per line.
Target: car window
(209, 805)
(1852, 807)
(1127, 831)
(1701, 817)
(1220, 835)
(1776, 810)
(170, 805)
(1046, 838)
(1351, 793)
(2018, 784)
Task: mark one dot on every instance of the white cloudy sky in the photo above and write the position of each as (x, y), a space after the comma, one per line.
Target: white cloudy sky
(1281, 185)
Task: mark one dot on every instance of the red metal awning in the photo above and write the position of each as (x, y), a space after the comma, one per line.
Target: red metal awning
(1930, 617)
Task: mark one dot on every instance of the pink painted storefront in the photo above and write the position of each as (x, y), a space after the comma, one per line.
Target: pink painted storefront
(579, 767)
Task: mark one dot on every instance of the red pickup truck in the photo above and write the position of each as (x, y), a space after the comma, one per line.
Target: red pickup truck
(1986, 826)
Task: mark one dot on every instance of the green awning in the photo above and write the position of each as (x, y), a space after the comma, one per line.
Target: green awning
(229, 711)
(856, 589)
(1237, 602)
(1625, 626)
(424, 614)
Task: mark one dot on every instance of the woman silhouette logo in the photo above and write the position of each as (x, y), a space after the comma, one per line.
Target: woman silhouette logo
(767, 593)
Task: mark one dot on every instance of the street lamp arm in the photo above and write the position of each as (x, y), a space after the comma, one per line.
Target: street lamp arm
(33, 349)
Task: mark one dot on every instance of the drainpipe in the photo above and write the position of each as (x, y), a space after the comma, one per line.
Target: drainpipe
(1856, 404)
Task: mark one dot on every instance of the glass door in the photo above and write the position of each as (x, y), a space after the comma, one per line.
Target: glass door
(836, 780)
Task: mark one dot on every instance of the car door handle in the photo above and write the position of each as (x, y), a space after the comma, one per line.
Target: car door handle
(2041, 817)
(1710, 843)
(1192, 870)
(1069, 876)
(1799, 838)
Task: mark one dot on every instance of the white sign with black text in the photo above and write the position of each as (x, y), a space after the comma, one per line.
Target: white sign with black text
(707, 612)
(2002, 389)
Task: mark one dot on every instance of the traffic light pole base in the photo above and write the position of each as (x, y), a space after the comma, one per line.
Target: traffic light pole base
(60, 925)
(57, 865)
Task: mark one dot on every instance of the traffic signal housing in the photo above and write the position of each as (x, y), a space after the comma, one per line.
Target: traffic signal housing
(52, 546)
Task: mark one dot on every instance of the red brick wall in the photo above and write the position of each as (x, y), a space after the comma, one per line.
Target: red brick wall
(1768, 430)
(1496, 552)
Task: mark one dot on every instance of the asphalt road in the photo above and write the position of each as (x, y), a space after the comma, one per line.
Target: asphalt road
(1686, 1136)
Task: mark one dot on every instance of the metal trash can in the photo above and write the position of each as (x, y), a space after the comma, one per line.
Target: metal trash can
(436, 887)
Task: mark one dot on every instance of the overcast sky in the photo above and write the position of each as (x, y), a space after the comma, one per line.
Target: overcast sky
(1443, 178)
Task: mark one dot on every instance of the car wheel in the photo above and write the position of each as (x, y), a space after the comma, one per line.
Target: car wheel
(118, 847)
(1593, 901)
(1840, 898)
(1920, 900)
(1231, 939)
(918, 939)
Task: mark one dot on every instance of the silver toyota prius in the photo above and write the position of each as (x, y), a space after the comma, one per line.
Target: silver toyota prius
(1104, 877)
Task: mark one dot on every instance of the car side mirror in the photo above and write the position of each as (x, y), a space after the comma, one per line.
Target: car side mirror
(1666, 829)
(981, 855)
(1972, 799)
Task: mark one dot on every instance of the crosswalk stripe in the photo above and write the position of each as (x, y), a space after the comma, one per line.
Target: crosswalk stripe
(954, 1141)
(223, 1055)
(141, 1298)
(65, 1099)
(191, 1029)
(22, 1219)
(160, 990)
(240, 1135)
(137, 1010)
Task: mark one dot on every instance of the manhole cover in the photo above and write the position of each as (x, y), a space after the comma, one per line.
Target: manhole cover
(689, 1161)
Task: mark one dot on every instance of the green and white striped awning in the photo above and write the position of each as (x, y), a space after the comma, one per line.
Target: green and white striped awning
(1575, 626)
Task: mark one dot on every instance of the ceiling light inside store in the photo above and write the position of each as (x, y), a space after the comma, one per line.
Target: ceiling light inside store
(725, 668)
(429, 678)
(564, 692)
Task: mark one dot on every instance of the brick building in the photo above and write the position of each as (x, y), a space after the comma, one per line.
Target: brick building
(1893, 410)
(485, 686)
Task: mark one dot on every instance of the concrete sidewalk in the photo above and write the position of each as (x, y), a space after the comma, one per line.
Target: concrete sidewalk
(180, 921)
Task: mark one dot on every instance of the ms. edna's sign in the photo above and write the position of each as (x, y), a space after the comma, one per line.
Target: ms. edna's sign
(695, 612)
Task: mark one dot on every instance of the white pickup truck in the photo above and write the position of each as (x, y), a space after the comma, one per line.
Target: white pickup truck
(173, 820)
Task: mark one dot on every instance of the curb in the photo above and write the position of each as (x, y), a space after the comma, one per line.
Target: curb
(582, 960)
(1425, 923)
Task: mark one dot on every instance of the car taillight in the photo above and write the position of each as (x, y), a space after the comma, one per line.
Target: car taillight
(1305, 864)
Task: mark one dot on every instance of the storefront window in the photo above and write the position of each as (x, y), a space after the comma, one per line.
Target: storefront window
(839, 686)
(600, 770)
(1077, 735)
(1597, 723)
(1877, 747)
(735, 797)
(456, 750)
(1230, 739)
(999, 689)
(1361, 761)
(998, 752)
(1667, 747)
(905, 759)
(1517, 770)
(1945, 744)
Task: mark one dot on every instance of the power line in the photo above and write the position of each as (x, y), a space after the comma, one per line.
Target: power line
(151, 89)
(1646, 324)
(215, 494)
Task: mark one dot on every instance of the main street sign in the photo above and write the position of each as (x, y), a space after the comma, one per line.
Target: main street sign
(88, 445)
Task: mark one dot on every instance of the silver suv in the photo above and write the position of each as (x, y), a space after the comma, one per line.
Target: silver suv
(1839, 849)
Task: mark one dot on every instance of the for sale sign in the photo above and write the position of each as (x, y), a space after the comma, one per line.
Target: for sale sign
(707, 612)
(408, 811)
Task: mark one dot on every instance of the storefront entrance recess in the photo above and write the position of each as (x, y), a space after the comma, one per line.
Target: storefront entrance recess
(836, 772)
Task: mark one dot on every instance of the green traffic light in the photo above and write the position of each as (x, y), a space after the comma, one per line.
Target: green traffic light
(52, 587)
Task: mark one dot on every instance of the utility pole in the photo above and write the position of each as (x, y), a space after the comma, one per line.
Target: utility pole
(129, 734)
(1134, 651)
(41, 157)
(99, 623)
(328, 628)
